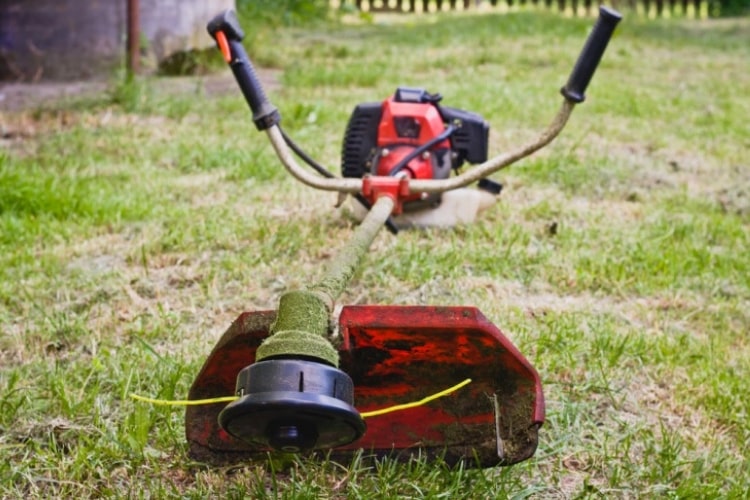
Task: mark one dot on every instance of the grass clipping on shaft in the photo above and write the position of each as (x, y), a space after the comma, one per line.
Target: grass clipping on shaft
(300, 329)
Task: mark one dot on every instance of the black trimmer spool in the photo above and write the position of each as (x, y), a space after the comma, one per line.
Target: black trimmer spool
(293, 405)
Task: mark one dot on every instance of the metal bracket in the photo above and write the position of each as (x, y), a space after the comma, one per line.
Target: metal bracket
(397, 188)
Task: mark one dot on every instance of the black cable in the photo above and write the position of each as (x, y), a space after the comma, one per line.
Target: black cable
(389, 224)
(304, 156)
(421, 149)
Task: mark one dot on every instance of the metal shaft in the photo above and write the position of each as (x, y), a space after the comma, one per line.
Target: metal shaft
(301, 326)
(345, 263)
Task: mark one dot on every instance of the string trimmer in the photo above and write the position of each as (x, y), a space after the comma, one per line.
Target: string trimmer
(296, 384)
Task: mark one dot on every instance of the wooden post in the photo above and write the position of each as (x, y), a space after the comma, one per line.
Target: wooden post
(133, 39)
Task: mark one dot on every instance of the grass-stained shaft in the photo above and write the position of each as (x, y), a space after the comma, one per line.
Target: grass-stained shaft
(339, 273)
(301, 326)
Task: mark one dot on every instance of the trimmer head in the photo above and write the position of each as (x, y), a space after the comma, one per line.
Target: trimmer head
(293, 405)
(393, 355)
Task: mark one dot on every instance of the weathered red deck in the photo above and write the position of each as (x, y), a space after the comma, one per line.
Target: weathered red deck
(398, 355)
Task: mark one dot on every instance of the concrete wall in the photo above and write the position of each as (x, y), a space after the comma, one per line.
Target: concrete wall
(84, 39)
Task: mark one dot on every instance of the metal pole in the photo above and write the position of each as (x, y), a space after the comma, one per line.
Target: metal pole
(301, 325)
(341, 269)
(133, 39)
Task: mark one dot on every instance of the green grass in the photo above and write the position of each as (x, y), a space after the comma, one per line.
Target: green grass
(136, 225)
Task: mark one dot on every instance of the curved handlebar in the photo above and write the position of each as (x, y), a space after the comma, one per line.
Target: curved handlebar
(353, 185)
(225, 29)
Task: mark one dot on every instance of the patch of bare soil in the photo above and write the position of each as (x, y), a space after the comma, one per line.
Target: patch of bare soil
(30, 109)
(26, 96)
(217, 84)
(15, 97)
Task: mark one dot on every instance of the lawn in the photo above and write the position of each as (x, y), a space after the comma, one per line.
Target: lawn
(136, 224)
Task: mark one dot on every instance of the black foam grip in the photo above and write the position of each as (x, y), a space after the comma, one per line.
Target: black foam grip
(591, 54)
(265, 114)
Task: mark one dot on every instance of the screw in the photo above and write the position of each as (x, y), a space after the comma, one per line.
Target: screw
(289, 435)
(292, 437)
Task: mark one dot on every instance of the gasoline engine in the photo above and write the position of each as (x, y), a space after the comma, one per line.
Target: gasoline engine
(410, 134)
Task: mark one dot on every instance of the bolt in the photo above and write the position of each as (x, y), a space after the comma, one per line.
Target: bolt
(292, 437)
(426, 155)
(288, 435)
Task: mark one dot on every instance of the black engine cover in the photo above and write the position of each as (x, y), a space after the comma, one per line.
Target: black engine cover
(361, 140)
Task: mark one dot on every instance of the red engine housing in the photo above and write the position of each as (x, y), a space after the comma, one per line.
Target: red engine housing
(403, 127)
(411, 135)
